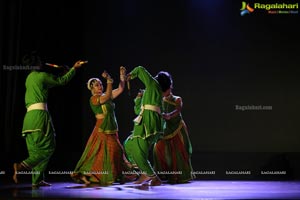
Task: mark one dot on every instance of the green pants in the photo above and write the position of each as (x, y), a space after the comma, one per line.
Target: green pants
(40, 148)
(137, 152)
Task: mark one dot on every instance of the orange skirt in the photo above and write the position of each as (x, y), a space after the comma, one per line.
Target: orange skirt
(102, 160)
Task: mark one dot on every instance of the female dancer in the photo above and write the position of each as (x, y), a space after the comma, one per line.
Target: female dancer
(172, 154)
(103, 158)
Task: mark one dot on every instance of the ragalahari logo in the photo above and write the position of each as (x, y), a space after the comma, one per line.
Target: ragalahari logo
(246, 9)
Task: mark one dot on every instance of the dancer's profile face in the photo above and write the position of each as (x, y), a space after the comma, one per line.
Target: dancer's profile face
(97, 87)
(167, 93)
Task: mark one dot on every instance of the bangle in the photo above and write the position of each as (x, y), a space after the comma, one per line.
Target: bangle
(122, 77)
(109, 81)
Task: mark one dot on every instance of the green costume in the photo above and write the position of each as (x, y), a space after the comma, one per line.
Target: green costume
(109, 124)
(102, 160)
(148, 126)
(37, 125)
(173, 152)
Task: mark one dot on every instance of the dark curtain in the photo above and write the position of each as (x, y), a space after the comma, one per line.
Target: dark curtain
(52, 28)
(11, 20)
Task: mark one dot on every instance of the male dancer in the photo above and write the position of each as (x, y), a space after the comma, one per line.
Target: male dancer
(38, 129)
(148, 126)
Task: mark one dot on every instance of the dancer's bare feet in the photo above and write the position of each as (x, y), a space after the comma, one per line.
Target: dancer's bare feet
(155, 181)
(143, 178)
(40, 184)
(84, 179)
(19, 167)
(15, 178)
(44, 183)
(130, 177)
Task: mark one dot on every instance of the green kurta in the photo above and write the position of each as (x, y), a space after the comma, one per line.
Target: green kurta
(37, 126)
(37, 86)
(146, 132)
(152, 122)
(109, 124)
(137, 105)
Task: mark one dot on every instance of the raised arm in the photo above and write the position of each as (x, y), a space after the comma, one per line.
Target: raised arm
(53, 81)
(120, 89)
(141, 73)
(108, 93)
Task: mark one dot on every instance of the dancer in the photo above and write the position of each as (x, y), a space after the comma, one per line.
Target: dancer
(103, 160)
(148, 126)
(172, 154)
(38, 129)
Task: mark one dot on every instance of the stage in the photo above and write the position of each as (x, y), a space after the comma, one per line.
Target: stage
(197, 189)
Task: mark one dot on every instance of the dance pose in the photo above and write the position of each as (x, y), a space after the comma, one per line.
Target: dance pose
(148, 126)
(103, 160)
(172, 154)
(38, 129)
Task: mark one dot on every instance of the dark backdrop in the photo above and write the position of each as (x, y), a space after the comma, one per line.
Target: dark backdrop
(219, 60)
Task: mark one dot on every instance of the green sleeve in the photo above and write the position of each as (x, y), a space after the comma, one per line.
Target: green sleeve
(137, 105)
(141, 73)
(53, 81)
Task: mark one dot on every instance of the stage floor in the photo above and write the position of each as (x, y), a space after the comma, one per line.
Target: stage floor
(193, 190)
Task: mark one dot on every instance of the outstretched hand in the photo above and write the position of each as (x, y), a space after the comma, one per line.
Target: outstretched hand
(128, 77)
(122, 71)
(79, 64)
(105, 75)
(140, 93)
